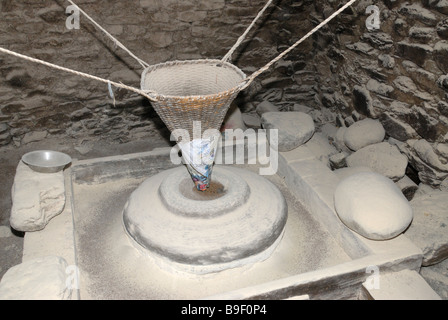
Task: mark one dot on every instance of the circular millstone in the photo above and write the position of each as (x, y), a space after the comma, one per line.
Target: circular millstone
(239, 220)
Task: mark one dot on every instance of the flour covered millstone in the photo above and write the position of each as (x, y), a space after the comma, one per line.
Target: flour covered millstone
(199, 156)
(373, 206)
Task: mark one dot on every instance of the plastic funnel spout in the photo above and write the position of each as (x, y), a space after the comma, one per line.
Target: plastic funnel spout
(199, 157)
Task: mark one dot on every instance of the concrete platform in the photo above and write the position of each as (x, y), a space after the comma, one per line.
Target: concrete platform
(318, 256)
(111, 267)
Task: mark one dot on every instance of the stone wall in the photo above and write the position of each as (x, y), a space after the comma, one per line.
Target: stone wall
(397, 74)
(344, 73)
(36, 101)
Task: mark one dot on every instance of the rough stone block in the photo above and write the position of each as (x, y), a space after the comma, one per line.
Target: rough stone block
(440, 5)
(337, 161)
(408, 87)
(423, 123)
(363, 101)
(415, 52)
(420, 76)
(251, 121)
(34, 136)
(39, 279)
(421, 34)
(37, 198)
(437, 278)
(429, 227)
(382, 158)
(380, 40)
(364, 133)
(397, 128)
(379, 88)
(441, 55)
(427, 153)
(266, 106)
(416, 12)
(294, 128)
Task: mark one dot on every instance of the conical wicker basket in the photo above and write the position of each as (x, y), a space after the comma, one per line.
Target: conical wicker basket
(193, 90)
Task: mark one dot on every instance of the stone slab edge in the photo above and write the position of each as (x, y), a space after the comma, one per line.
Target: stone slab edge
(402, 285)
(57, 239)
(340, 282)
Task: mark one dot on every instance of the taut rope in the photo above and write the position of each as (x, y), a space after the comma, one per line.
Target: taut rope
(243, 36)
(82, 74)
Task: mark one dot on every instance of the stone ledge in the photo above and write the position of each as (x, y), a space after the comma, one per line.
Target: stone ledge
(318, 195)
(299, 154)
(313, 184)
(428, 229)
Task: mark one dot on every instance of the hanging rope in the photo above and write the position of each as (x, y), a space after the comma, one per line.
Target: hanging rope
(284, 53)
(82, 74)
(116, 42)
(243, 36)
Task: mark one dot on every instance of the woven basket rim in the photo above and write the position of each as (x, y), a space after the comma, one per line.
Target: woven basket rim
(158, 96)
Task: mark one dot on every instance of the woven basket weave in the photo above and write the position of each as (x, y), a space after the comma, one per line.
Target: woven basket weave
(192, 90)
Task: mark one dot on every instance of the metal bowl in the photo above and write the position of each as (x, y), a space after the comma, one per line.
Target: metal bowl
(46, 161)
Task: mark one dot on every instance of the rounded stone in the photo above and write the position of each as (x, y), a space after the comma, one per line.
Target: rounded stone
(293, 129)
(240, 220)
(382, 158)
(364, 133)
(373, 206)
